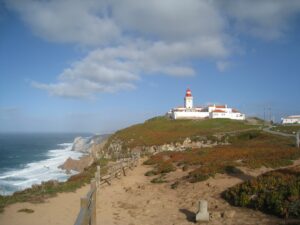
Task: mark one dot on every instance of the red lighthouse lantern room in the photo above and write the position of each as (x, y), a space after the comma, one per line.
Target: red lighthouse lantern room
(188, 93)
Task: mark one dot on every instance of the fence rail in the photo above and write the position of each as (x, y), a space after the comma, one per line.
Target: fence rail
(87, 213)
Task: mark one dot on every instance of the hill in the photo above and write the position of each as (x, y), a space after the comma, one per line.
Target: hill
(162, 130)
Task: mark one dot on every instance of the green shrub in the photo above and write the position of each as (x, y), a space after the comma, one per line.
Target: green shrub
(158, 180)
(276, 192)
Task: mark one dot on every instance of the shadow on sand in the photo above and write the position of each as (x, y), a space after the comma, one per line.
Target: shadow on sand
(190, 216)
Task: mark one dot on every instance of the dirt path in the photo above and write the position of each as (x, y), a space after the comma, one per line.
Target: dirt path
(134, 200)
(59, 210)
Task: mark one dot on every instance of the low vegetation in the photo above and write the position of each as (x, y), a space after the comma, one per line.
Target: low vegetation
(38, 193)
(289, 129)
(276, 192)
(26, 210)
(162, 130)
(247, 149)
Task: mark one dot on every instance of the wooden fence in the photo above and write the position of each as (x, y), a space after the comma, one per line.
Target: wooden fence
(87, 213)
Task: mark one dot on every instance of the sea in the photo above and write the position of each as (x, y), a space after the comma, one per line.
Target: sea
(30, 158)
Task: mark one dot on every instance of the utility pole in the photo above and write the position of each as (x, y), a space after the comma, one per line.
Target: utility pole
(264, 114)
(298, 139)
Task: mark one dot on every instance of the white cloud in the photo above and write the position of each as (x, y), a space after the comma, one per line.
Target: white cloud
(131, 38)
(68, 21)
(266, 19)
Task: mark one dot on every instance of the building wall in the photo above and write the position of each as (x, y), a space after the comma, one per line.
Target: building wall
(233, 116)
(188, 102)
(187, 115)
(290, 120)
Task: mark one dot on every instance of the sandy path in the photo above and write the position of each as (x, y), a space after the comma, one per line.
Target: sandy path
(133, 200)
(59, 210)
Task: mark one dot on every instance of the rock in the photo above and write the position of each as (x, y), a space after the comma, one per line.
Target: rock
(228, 214)
(215, 215)
(81, 144)
(76, 165)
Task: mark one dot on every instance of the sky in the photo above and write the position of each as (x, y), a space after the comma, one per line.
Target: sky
(99, 66)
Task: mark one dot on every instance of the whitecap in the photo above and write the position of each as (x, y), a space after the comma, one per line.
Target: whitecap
(36, 172)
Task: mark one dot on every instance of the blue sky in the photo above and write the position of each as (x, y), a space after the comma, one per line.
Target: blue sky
(98, 66)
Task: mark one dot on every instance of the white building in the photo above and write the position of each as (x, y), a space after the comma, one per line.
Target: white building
(188, 111)
(291, 119)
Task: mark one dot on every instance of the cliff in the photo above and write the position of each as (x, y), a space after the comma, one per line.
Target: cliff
(85, 144)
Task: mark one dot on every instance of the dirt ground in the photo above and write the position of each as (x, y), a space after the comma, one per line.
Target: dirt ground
(134, 200)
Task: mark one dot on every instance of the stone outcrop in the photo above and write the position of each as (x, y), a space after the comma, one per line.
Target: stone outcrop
(77, 164)
(81, 144)
(117, 148)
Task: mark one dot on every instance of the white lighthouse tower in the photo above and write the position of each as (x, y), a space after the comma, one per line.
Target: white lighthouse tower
(188, 99)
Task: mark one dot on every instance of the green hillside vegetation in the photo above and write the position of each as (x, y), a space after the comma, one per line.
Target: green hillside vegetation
(249, 149)
(162, 130)
(289, 129)
(276, 192)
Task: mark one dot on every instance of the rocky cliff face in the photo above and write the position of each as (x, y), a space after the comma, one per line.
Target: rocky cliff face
(116, 147)
(85, 144)
(93, 146)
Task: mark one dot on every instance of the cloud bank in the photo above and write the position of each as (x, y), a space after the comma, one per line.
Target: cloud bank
(130, 38)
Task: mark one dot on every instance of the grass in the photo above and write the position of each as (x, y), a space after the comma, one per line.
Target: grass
(38, 193)
(162, 130)
(250, 149)
(276, 192)
(289, 129)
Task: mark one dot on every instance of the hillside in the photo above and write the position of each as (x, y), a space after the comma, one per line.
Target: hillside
(162, 130)
(288, 129)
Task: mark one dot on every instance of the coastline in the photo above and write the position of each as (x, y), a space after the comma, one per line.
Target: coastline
(48, 189)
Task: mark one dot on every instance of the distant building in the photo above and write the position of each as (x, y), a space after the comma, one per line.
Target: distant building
(188, 111)
(291, 119)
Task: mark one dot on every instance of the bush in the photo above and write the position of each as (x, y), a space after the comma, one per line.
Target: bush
(276, 192)
(158, 180)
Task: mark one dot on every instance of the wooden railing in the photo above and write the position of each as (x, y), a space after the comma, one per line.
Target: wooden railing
(87, 213)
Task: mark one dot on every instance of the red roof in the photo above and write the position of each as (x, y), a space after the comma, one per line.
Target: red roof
(235, 111)
(218, 110)
(221, 106)
(188, 93)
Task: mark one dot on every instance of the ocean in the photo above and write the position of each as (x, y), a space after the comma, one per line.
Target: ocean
(30, 158)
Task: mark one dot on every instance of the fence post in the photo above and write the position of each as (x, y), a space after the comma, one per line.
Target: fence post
(94, 200)
(84, 206)
(98, 177)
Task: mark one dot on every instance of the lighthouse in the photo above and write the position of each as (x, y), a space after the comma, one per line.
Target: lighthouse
(188, 99)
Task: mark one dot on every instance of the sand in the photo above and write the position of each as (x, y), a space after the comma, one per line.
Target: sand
(59, 210)
(134, 200)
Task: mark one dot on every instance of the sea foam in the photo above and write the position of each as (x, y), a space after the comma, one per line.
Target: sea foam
(36, 172)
